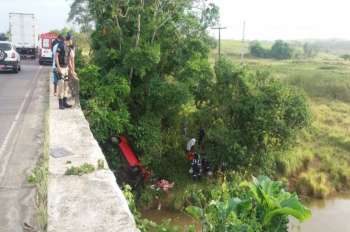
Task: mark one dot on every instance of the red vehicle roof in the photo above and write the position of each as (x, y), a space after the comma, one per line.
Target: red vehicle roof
(49, 35)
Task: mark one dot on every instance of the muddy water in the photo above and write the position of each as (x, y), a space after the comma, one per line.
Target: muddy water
(178, 218)
(331, 215)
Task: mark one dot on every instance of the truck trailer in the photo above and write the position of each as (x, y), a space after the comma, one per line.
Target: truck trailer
(23, 33)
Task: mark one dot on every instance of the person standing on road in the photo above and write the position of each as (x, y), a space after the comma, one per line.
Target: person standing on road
(55, 43)
(62, 57)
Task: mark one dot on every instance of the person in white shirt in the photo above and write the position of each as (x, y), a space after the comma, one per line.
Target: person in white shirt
(190, 144)
(190, 149)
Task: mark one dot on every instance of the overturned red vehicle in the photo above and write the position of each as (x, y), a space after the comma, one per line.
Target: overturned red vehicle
(135, 168)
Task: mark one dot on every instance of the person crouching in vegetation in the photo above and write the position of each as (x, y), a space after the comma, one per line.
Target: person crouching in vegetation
(196, 167)
(190, 149)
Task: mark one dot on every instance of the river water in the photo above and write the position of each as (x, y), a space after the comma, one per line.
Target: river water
(331, 215)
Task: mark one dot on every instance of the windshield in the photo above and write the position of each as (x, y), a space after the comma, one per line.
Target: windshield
(46, 43)
(5, 46)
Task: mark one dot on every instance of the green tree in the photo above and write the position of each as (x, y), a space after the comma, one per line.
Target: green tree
(150, 59)
(248, 116)
(281, 50)
(80, 14)
(257, 50)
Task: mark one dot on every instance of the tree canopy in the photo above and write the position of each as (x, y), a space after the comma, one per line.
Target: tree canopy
(150, 79)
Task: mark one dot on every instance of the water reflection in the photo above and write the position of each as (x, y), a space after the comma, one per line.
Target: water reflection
(331, 215)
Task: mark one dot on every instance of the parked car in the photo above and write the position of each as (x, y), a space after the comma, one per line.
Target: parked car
(10, 60)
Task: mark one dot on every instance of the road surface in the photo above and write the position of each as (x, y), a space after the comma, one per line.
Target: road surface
(23, 101)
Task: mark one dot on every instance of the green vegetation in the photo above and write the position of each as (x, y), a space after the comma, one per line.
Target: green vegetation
(257, 50)
(39, 177)
(145, 225)
(260, 205)
(149, 85)
(143, 84)
(150, 78)
(280, 50)
(317, 165)
(248, 117)
(80, 170)
(345, 56)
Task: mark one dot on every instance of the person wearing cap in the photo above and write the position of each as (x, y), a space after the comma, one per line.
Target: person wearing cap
(62, 64)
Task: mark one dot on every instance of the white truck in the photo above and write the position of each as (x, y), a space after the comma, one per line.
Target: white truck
(23, 33)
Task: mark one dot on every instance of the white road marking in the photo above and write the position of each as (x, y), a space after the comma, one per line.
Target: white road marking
(13, 125)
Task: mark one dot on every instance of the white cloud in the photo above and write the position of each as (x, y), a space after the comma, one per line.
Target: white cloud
(50, 14)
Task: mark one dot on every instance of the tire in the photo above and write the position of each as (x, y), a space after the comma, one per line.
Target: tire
(3, 55)
(15, 70)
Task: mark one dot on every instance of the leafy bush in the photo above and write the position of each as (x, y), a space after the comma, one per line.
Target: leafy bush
(345, 56)
(249, 116)
(264, 207)
(257, 50)
(281, 50)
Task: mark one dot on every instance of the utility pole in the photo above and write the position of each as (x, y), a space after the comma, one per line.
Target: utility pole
(219, 28)
(243, 40)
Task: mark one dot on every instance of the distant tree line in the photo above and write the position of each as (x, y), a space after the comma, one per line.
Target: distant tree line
(280, 50)
(345, 56)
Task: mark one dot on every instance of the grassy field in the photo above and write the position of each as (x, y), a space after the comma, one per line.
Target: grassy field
(319, 163)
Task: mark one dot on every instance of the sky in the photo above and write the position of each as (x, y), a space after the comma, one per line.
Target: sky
(50, 14)
(265, 19)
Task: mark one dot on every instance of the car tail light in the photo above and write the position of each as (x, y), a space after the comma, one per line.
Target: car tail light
(13, 55)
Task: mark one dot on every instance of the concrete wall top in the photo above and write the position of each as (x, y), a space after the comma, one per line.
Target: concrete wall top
(91, 202)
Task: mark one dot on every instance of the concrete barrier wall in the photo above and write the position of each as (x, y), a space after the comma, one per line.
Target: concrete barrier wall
(91, 202)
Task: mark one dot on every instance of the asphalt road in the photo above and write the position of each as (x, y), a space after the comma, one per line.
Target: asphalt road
(23, 101)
